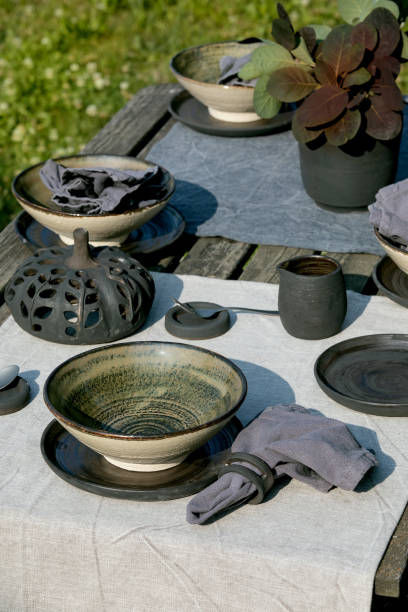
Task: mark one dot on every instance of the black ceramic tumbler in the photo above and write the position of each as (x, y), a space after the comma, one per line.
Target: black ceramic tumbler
(312, 296)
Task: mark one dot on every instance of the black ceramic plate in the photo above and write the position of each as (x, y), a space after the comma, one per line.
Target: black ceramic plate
(82, 467)
(392, 281)
(191, 112)
(162, 230)
(368, 374)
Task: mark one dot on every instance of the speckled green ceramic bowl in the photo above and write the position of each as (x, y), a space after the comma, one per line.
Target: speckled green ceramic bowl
(145, 406)
(103, 229)
(197, 70)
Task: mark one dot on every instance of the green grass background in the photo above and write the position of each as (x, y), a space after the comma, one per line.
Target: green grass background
(66, 66)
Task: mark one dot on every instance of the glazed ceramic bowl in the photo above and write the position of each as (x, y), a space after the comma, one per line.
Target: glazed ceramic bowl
(197, 70)
(398, 255)
(104, 229)
(145, 406)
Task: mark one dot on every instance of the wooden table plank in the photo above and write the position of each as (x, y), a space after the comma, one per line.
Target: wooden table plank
(13, 253)
(357, 269)
(215, 257)
(262, 264)
(392, 566)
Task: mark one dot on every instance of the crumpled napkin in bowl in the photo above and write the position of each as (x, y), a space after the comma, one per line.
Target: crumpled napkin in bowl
(389, 213)
(96, 191)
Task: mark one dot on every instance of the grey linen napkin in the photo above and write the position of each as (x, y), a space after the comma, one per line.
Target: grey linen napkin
(295, 442)
(389, 213)
(102, 190)
(229, 68)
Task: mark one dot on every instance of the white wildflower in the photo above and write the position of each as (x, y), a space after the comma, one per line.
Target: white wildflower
(49, 73)
(124, 85)
(74, 67)
(4, 106)
(53, 134)
(99, 83)
(28, 62)
(91, 66)
(91, 110)
(18, 133)
(58, 12)
(45, 40)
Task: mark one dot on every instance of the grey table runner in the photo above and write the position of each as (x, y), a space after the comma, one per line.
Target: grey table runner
(250, 189)
(63, 549)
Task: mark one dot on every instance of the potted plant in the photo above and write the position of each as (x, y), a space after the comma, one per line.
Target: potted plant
(348, 119)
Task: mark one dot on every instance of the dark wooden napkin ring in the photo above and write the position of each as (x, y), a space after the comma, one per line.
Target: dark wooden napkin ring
(263, 481)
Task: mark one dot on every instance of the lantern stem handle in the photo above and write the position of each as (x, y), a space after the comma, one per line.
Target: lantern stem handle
(81, 257)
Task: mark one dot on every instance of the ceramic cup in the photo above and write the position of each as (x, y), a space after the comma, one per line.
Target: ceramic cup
(312, 296)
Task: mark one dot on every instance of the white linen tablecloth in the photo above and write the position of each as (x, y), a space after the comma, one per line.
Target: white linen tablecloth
(63, 549)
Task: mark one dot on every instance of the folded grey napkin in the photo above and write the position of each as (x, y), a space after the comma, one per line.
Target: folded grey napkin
(102, 190)
(389, 213)
(229, 68)
(295, 442)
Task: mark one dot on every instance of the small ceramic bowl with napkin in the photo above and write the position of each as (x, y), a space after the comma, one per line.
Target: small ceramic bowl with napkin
(389, 217)
(108, 195)
(210, 74)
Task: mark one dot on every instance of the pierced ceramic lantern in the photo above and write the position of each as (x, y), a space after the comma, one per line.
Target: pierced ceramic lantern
(71, 296)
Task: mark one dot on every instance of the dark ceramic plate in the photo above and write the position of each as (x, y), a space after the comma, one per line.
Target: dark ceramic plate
(392, 281)
(367, 374)
(191, 112)
(162, 230)
(82, 467)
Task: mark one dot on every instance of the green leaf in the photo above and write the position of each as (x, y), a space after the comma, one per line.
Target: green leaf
(291, 84)
(351, 10)
(344, 129)
(265, 105)
(265, 60)
(404, 52)
(249, 71)
(338, 51)
(322, 31)
(358, 77)
(323, 106)
(301, 53)
(382, 123)
(301, 133)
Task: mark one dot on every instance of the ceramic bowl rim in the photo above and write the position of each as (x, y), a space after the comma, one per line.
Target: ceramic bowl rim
(390, 245)
(313, 256)
(40, 207)
(106, 434)
(219, 86)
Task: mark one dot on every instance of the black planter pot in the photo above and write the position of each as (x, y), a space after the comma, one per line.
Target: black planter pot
(347, 178)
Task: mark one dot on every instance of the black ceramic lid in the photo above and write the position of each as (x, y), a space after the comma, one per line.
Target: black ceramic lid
(182, 324)
(14, 396)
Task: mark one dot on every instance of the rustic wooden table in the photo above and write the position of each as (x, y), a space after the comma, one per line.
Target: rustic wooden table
(132, 131)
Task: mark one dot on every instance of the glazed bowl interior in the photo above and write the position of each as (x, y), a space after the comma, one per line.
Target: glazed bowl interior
(173, 395)
(29, 187)
(202, 63)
